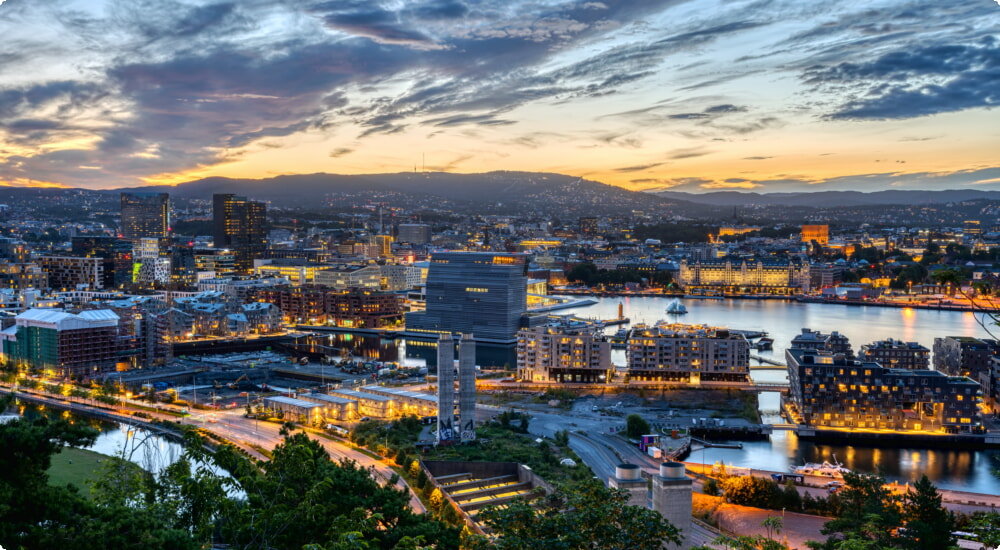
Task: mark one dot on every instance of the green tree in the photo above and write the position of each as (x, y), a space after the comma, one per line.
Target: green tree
(636, 426)
(928, 524)
(591, 517)
(869, 512)
(986, 526)
(296, 498)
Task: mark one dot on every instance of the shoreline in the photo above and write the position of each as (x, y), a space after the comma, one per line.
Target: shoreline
(802, 298)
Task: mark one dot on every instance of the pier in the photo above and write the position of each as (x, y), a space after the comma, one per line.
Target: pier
(773, 362)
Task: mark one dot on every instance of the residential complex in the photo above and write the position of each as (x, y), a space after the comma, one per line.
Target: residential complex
(831, 391)
(693, 354)
(896, 354)
(566, 351)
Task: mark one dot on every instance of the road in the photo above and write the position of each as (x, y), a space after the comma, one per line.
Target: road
(246, 433)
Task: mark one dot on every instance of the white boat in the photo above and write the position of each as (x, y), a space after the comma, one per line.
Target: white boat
(675, 307)
(833, 470)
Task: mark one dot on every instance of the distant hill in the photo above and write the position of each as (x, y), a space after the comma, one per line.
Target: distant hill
(828, 199)
(513, 192)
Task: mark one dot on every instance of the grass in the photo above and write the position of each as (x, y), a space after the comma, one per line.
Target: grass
(77, 467)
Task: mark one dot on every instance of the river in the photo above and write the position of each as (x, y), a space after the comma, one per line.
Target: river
(956, 470)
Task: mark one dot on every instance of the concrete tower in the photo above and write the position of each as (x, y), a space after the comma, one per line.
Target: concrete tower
(629, 477)
(467, 387)
(672, 499)
(446, 388)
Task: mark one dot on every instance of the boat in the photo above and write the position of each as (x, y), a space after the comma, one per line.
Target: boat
(675, 307)
(833, 470)
(764, 344)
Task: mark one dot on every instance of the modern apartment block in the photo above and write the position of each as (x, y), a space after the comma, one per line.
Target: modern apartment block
(687, 354)
(240, 226)
(479, 293)
(816, 340)
(66, 344)
(344, 308)
(832, 391)
(145, 215)
(563, 352)
(745, 276)
(895, 354)
(963, 356)
(67, 272)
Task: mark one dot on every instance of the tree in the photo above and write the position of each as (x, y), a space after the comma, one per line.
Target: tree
(591, 517)
(752, 491)
(293, 499)
(636, 426)
(986, 526)
(928, 524)
(869, 512)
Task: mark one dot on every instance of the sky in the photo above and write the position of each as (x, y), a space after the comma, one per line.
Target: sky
(696, 95)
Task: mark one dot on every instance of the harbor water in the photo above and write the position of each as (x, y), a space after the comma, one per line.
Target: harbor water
(959, 470)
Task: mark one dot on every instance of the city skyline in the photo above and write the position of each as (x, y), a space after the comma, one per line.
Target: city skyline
(768, 96)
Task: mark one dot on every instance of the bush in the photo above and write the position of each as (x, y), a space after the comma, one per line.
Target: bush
(711, 488)
(752, 491)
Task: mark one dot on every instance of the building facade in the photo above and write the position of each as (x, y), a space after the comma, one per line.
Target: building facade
(834, 342)
(145, 215)
(831, 391)
(414, 233)
(736, 276)
(65, 344)
(895, 354)
(687, 354)
(479, 293)
(66, 272)
(963, 356)
(239, 225)
(563, 353)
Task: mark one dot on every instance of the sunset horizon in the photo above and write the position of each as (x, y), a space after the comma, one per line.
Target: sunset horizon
(695, 96)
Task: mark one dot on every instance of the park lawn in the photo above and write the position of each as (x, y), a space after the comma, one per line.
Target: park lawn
(77, 467)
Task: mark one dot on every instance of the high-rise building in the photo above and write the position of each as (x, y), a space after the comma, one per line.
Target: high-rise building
(239, 226)
(145, 215)
(414, 233)
(478, 293)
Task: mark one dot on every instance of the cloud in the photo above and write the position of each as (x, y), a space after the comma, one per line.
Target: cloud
(341, 151)
(639, 168)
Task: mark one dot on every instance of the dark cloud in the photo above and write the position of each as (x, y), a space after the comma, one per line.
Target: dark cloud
(639, 168)
(757, 158)
(341, 151)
